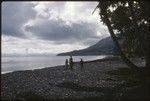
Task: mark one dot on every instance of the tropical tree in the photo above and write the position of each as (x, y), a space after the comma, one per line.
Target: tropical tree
(131, 20)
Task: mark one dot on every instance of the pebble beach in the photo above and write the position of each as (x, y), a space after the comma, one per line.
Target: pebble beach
(61, 83)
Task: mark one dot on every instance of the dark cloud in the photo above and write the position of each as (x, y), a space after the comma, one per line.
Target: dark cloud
(14, 15)
(58, 31)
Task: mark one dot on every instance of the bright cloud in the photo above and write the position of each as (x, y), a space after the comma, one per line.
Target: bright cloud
(49, 27)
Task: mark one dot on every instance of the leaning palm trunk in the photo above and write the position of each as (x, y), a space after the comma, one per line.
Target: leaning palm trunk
(103, 13)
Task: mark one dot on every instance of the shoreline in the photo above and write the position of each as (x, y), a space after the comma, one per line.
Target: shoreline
(89, 61)
(59, 83)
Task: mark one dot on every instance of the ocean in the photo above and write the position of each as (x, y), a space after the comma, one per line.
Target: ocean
(20, 63)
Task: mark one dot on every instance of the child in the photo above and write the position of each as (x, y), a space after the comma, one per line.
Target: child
(71, 62)
(81, 64)
(66, 64)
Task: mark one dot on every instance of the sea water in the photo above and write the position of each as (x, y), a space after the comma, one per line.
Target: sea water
(15, 63)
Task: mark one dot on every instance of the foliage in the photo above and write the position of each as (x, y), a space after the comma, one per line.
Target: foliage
(131, 20)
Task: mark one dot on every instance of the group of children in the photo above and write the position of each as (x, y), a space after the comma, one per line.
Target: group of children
(70, 65)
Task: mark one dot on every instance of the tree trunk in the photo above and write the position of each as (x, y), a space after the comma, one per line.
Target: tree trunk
(147, 37)
(136, 29)
(146, 40)
(147, 56)
(103, 14)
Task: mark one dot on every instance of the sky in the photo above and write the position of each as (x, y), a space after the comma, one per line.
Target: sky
(49, 27)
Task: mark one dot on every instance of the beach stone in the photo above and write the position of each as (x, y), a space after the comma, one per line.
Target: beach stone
(49, 83)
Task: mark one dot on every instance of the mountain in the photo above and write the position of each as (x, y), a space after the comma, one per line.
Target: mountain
(103, 47)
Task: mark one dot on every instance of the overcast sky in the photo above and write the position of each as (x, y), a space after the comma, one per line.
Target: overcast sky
(49, 27)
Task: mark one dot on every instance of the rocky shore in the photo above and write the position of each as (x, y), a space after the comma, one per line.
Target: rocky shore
(93, 81)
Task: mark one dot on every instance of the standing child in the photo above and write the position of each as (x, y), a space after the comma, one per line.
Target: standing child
(81, 64)
(71, 62)
(66, 64)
